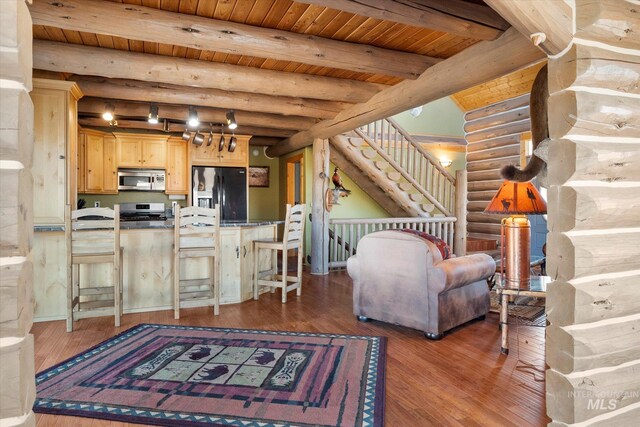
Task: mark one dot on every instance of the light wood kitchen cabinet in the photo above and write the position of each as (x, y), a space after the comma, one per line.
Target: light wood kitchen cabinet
(81, 166)
(55, 147)
(141, 151)
(94, 158)
(110, 168)
(177, 180)
(97, 169)
(210, 155)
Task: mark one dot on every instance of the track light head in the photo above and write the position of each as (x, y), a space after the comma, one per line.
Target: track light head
(231, 120)
(153, 114)
(193, 121)
(108, 112)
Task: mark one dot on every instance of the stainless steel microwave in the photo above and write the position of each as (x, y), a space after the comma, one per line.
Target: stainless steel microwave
(141, 179)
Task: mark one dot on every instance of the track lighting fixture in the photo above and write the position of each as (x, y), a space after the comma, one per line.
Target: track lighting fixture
(153, 114)
(231, 120)
(108, 112)
(193, 118)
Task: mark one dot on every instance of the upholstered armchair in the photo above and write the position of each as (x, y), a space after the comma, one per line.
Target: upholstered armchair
(401, 278)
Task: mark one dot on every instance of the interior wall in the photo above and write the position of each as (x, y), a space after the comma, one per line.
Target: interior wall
(440, 117)
(264, 201)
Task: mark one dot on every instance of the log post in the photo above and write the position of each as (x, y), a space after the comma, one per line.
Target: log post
(17, 374)
(593, 337)
(319, 216)
(460, 233)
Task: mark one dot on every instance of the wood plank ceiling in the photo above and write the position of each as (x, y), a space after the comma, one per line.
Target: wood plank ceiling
(285, 96)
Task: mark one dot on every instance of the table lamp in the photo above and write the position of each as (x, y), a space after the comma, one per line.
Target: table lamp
(517, 199)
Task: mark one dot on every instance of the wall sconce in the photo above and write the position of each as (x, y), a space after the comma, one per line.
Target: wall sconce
(193, 118)
(153, 114)
(108, 112)
(445, 163)
(231, 120)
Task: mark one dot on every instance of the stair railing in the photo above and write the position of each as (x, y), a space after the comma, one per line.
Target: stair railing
(419, 167)
(344, 234)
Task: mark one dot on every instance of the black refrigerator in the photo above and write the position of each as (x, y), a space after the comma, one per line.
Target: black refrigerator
(226, 187)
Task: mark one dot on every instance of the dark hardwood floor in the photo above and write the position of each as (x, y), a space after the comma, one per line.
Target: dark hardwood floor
(462, 380)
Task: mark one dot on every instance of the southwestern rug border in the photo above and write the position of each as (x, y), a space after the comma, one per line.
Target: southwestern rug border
(132, 415)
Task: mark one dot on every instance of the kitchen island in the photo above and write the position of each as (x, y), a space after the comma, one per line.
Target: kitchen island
(148, 265)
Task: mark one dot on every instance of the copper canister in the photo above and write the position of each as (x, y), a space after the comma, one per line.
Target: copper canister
(517, 232)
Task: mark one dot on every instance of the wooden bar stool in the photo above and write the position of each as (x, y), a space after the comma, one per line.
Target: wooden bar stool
(196, 235)
(93, 237)
(292, 239)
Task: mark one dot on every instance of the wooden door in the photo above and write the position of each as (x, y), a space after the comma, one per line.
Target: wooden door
(81, 167)
(94, 157)
(49, 155)
(110, 172)
(154, 153)
(129, 152)
(295, 179)
(177, 172)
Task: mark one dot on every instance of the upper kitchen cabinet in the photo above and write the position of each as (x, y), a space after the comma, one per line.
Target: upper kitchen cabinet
(55, 146)
(177, 167)
(219, 155)
(97, 169)
(141, 151)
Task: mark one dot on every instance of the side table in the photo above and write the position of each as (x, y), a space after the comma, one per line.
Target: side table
(537, 289)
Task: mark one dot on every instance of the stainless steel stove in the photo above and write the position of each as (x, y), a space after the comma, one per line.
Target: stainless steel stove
(142, 212)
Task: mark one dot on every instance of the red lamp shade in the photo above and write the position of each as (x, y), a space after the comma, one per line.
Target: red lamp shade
(517, 198)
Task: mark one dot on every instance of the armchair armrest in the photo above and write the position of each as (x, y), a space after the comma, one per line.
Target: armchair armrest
(464, 270)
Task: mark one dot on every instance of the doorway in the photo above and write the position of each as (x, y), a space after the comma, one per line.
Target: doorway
(295, 179)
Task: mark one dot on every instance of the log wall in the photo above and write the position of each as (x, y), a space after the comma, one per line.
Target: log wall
(493, 135)
(17, 375)
(593, 306)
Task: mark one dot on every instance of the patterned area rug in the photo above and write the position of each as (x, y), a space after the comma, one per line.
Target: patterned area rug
(192, 376)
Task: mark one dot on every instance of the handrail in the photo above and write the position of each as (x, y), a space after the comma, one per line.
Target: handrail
(346, 233)
(422, 151)
(415, 164)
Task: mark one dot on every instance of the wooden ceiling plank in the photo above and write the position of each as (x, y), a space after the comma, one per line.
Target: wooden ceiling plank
(241, 11)
(105, 41)
(284, 18)
(553, 18)
(202, 33)
(259, 10)
(56, 34)
(85, 60)
(89, 105)
(206, 8)
(71, 36)
(134, 90)
(453, 16)
(488, 60)
(188, 6)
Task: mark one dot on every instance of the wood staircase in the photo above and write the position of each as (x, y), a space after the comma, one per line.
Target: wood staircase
(399, 166)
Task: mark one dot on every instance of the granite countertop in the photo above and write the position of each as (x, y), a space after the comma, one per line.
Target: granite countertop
(139, 225)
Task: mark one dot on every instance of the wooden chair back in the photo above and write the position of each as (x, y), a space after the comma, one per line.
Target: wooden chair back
(92, 231)
(294, 223)
(197, 228)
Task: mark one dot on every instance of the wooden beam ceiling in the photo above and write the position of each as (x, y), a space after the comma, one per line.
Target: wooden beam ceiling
(451, 16)
(479, 63)
(126, 109)
(175, 127)
(160, 26)
(95, 61)
(134, 90)
(551, 19)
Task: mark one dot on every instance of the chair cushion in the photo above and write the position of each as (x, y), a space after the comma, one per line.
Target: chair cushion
(442, 246)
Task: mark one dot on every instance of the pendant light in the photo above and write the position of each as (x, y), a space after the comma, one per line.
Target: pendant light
(153, 114)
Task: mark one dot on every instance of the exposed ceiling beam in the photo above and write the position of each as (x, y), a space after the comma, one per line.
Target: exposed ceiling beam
(552, 18)
(155, 25)
(479, 63)
(128, 109)
(451, 16)
(174, 127)
(264, 140)
(112, 63)
(134, 90)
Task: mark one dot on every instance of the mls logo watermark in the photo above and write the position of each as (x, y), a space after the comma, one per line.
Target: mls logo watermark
(603, 400)
(602, 404)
